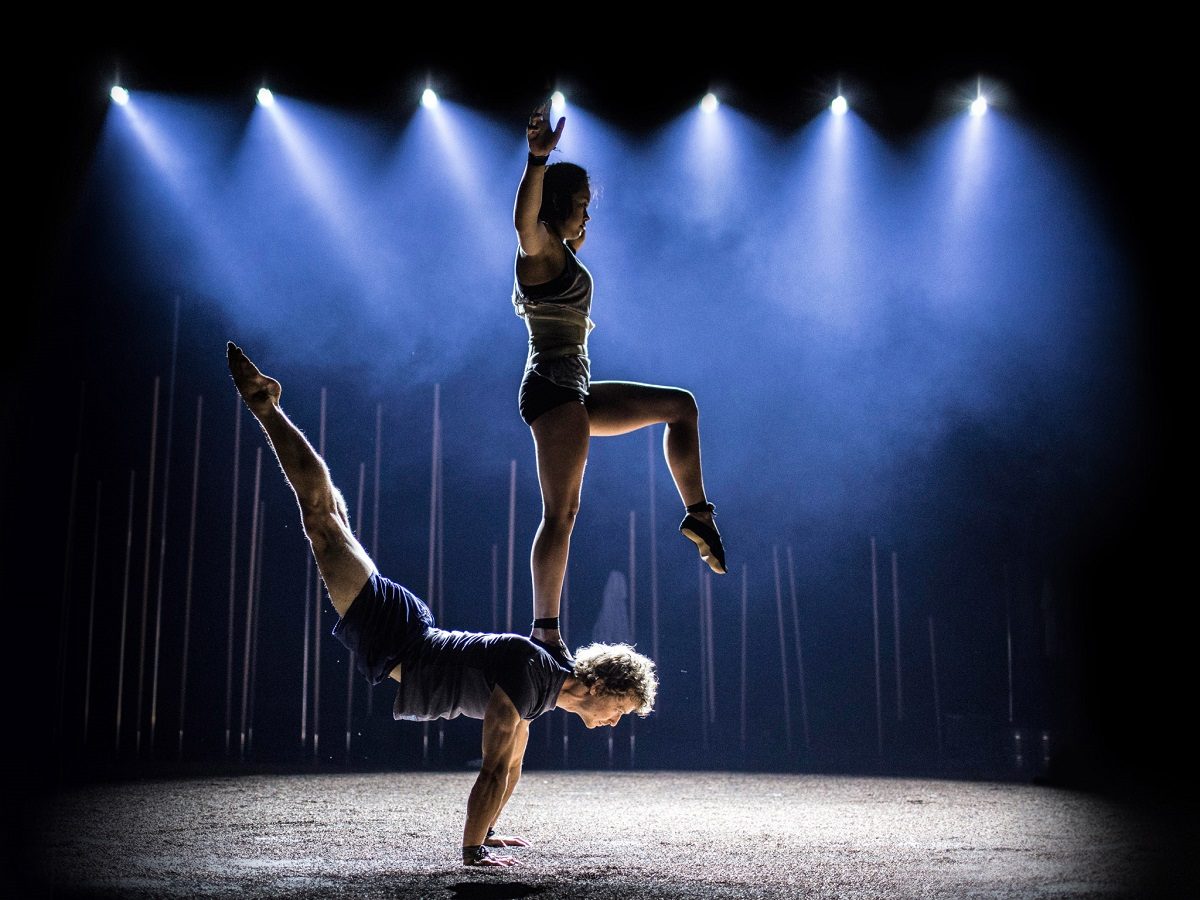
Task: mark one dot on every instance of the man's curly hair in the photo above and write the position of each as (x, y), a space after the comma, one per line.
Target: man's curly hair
(623, 671)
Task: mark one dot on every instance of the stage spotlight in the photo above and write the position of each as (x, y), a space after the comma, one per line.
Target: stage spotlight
(709, 104)
(429, 99)
(557, 100)
(265, 97)
(119, 95)
(979, 105)
(839, 105)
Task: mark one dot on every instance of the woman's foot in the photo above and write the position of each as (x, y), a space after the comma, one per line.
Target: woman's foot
(551, 641)
(699, 527)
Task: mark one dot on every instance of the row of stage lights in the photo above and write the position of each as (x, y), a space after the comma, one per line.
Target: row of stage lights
(709, 104)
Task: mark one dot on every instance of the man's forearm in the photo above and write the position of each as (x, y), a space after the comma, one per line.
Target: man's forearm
(514, 775)
(483, 806)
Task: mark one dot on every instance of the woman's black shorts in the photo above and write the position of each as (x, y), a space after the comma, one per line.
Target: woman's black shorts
(540, 394)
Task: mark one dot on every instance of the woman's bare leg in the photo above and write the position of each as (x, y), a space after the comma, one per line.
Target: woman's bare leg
(618, 407)
(561, 438)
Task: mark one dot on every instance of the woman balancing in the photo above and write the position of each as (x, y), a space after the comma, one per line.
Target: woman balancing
(559, 402)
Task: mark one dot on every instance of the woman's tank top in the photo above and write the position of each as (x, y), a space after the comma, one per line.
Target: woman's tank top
(557, 315)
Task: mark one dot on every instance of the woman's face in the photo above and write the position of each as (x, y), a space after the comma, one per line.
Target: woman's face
(574, 226)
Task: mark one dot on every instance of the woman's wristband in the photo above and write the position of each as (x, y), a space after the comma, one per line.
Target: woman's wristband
(475, 854)
(535, 160)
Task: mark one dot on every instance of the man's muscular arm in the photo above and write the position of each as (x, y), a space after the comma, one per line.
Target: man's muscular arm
(501, 737)
(514, 775)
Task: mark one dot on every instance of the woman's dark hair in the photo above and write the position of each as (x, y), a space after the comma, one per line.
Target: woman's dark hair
(562, 181)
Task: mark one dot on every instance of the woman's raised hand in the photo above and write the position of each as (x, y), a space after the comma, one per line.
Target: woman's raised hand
(541, 139)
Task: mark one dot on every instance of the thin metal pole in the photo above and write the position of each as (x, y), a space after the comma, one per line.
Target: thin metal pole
(237, 447)
(512, 539)
(146, 570)
(258, 570)
(317, 607)
(632, 620)
(633, 576)
(712, 657)
(187, 597)
(896, 634)
(566, 604)
(438, 535)
(362, 476)
(64, 618)
(703, 660)
(250, 603)
(124, 613)
(653, 551)
(937, 703)
(87, 684)
(495, 588)
(375, 517)
(787, 702)
(431, 598)
(799, 646)
(162, 528)
(875, 621)
(743, 703)
(308, 623)
(1008, 641)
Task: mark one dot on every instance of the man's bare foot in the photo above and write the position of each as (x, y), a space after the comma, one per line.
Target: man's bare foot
(260, 392)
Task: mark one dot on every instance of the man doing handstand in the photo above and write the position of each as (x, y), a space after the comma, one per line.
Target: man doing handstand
(504, 679)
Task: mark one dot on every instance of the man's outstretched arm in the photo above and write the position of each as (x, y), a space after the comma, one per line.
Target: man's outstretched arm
(514, 775)
(502, 734)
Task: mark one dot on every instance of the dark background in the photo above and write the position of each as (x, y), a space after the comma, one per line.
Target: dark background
(1128, 688)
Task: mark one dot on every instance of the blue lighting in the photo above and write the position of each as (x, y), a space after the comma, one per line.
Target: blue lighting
(979, 105)
(429, 99)
(839, 105)
(119, 95)
(709, 104)
(265, 97)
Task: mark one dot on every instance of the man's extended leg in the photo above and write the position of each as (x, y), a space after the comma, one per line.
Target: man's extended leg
(344, 564)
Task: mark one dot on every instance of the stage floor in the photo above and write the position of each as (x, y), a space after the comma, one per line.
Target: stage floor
(594, 835)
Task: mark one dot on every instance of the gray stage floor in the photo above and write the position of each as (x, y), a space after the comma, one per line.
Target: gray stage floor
(595, 835)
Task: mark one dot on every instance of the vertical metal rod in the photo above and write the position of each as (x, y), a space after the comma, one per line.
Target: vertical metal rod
(653, 552)
(441, 538)
(633, 576)
(566, 604)
(512, 539)
(87, 684)
(317, 607)
(937, 703)
(632, 620)
(875, 626)
(431, 598)
(743, 698)
(124, 613)
(712, 655)
(237, 446)
(1008, 641)
(799, 646)
(362, 476)
(64, 617)
(162, 528)
(250, 603)
(495, 588)
(375, 517)
(703, 660)
(187, 596)
(896, 634)
(258, 570)
(308, 623)
(146, 570)
(787, 701)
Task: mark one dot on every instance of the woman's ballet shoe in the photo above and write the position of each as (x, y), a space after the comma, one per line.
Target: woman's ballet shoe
(706, 537)
(558, 650)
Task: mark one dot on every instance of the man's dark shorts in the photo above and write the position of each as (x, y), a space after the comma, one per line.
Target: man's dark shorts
(383, 626)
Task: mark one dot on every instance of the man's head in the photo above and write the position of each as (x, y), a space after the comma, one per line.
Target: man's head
(618, 680)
